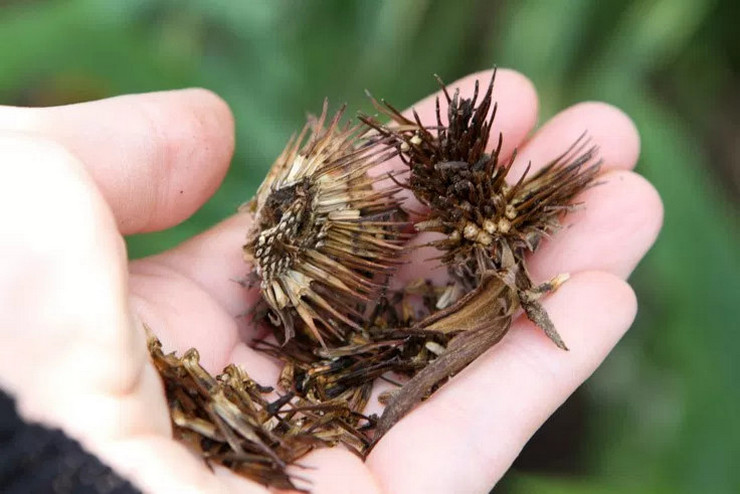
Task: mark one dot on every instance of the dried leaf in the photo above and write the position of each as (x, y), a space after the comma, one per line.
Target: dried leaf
(479, 332)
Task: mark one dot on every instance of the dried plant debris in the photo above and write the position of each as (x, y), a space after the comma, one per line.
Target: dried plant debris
(482, 318)
(224, 418)
(327, 237)
(229, 420)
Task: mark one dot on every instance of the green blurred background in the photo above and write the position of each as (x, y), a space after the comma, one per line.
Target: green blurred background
(663, 413)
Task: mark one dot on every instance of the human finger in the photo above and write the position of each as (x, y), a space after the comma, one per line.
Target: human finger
(63, 277)
(333, 471)
(155, 157)
(603, 125)
(617, 223)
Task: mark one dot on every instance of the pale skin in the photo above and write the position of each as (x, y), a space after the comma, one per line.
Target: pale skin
(75, 179)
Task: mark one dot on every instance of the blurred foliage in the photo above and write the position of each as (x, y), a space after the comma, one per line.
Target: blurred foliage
(661, 415)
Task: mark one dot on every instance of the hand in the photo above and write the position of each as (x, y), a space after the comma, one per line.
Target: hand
(75, 179)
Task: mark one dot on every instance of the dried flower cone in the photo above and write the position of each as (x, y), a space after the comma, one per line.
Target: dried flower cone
(487, 223)
(326, 234)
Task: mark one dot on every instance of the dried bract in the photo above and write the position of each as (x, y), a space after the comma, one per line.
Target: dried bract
(225, 419)
(481, 319)
(229, 420)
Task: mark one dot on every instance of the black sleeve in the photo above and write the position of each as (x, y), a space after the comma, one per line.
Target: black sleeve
(36, 459)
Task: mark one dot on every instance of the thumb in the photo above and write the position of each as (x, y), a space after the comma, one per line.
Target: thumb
(70, 353)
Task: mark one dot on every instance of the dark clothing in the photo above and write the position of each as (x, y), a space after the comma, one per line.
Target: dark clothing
(36, 459)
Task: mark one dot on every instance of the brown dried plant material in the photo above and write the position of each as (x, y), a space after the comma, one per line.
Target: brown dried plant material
(482, 318)
(224, 430)
(326, 234)
(483, 219)
(325, 242)
(229, 421)
(475, 323)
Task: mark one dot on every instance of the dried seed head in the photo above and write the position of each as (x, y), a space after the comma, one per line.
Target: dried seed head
(464, 185)
(326, 234)
(487, 222)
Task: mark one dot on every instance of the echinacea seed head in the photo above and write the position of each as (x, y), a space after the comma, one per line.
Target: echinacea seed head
(324, 231)
(460, 179)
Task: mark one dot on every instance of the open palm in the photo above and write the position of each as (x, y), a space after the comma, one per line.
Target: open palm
(75, 179)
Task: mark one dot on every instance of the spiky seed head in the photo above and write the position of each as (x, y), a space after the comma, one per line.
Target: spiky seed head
(464, 184)
(488, 223)
(326, 234)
